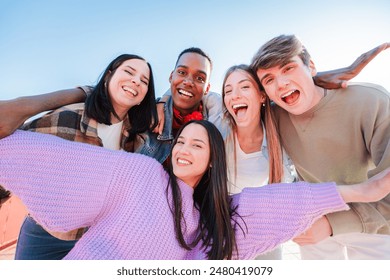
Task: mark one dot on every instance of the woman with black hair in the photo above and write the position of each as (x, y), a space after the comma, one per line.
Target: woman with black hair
(135, 209)
(117, 113)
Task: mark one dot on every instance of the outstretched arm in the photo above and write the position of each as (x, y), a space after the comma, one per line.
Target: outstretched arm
(376, 188)
(13, 113)
(338, 78)
(280, 218)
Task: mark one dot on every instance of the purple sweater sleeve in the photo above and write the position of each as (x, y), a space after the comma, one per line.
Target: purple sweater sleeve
(276, 213)
(69, 198)
(64, 198)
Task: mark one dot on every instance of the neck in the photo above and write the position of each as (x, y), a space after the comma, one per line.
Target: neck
(250, 138)
(115, 120)
(319, 93)
(185, 112)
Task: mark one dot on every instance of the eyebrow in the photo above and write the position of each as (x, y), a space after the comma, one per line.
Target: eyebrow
(240, 82)
(186, 67)
(281, 66)
(135, 70)
(194, 139)
(265, 76)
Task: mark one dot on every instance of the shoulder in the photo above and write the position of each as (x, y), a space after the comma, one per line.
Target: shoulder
(213, 97)
(144, 165)
(367, 91)
(67, 116)
(69, 110)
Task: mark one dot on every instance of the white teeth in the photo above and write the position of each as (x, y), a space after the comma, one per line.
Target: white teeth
(186, 93)
(183, 161)
(237, 106)
(288, 93)
(129, 89)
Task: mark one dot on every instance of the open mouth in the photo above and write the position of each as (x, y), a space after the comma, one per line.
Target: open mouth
(240, 109)
(291, 96)
(185, 93)
(130, 90)
(181, 161)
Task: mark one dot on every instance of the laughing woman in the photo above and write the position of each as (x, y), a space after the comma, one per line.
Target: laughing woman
(120, 108)
(254, 153)
(136, 210)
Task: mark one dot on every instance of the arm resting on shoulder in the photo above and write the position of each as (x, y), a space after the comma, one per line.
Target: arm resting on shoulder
(338, 78)
(13, 113)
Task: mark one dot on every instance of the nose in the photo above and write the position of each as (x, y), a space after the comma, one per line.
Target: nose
(188, 80)
(184, 149)
(282, 82)
(136, 80)
(236, 94)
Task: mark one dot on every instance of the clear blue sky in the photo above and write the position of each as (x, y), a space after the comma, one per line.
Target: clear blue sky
(50, 45)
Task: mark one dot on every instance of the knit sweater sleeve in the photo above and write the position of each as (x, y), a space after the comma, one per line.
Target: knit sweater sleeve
(64, 198)
(271, 215)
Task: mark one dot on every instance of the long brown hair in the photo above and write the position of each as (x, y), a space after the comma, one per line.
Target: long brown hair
(211, 199)
(267, 117)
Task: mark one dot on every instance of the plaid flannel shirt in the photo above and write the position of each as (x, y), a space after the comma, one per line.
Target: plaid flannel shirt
(72, 123)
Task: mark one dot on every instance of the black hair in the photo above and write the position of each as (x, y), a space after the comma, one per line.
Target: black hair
(195, 50)
(98, 104)
(211, 199)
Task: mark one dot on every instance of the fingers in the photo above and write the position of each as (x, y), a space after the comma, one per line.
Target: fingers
(366, 57)
(344, 84)
(161, 118)
(159, 128)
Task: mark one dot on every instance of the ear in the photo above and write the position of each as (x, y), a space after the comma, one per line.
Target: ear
(312, 68)
(207, 89)
(170, 77)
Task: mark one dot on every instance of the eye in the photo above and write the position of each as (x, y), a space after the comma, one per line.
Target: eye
(130, 73)
(268, 81)
(197, 146)
(245, 87)
(180, 142)
(200, 79)
(228, 92)
(181, 72)
(288, 68)
(145, 82)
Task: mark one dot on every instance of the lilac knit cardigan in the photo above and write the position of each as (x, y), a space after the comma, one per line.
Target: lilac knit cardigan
(122, 198)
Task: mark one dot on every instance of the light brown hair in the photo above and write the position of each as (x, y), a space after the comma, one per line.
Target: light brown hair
(279, 51)
(267, 117)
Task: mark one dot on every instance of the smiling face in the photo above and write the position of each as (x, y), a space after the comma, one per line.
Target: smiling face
(191, 154)
(189, 82)
(128, 85)
(242, 98)
(291, 85)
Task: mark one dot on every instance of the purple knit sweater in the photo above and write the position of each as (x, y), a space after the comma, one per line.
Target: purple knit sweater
(122, 198)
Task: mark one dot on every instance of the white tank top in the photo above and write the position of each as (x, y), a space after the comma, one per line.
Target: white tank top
(110, 135)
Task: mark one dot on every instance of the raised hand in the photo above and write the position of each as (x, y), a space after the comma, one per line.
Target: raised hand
(339, 78)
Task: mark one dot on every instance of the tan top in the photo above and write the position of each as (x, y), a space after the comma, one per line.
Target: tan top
(344, 138)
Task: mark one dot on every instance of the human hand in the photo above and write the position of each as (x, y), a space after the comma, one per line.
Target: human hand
(161, 118)
(11, 117)
(374, 189)
(339, 78)
(320, 230)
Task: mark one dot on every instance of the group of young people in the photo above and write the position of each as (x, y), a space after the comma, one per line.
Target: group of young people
(195, 201)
